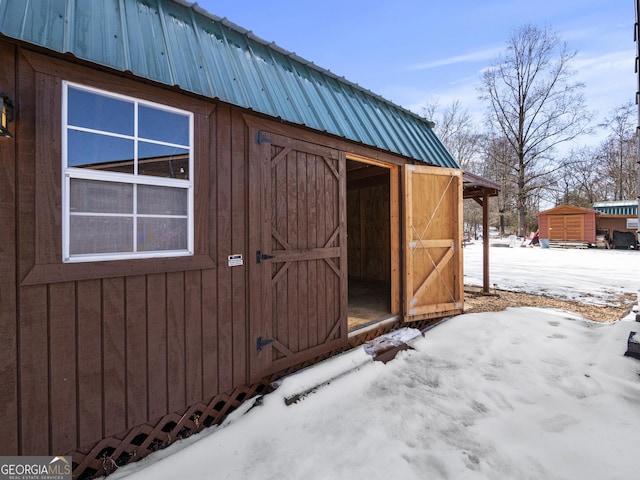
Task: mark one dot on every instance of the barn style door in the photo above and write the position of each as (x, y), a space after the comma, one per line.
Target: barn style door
(433, 257)
(298, 304)
(566, 227)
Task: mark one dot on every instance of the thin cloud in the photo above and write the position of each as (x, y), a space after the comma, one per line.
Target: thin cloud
(478, 56)
(607, 61)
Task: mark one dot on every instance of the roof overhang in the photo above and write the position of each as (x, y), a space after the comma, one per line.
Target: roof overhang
(475, 186)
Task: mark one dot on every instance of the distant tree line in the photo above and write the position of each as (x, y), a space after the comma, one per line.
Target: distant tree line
(532, 140)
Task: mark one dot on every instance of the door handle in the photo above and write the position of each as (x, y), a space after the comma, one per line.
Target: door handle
(261, 257)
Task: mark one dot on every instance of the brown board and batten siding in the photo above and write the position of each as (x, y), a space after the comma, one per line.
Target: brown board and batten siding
(368, 193)
(116, 350)
(97, 348)
(9, 401)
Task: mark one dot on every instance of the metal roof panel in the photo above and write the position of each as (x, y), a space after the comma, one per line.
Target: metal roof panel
(175, 42)
(39, 22)
(617, 207)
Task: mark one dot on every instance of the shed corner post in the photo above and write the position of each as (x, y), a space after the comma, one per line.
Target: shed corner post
(485, 243)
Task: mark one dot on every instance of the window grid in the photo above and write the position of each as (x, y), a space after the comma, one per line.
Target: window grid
(135, 179)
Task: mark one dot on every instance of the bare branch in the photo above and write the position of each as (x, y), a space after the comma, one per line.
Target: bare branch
(534, 105)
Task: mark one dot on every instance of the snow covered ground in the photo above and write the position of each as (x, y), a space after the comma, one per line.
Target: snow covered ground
(595, 276)
(527, 393)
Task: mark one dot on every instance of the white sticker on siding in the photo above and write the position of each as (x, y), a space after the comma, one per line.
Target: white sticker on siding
(235, 260)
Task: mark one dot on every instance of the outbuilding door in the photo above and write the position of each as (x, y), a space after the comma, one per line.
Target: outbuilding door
(433, 256)
(566, 227)
(298, 291)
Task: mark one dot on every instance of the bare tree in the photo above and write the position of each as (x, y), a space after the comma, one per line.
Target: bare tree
(497, 166)
(534, 105)
(619, 152)
(456, 129)
(581, 180)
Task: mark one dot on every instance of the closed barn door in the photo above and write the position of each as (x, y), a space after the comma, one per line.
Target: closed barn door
(433, 257)
(298, 231)
(566, 227)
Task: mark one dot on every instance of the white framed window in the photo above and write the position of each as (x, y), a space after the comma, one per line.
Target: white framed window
(127, 183)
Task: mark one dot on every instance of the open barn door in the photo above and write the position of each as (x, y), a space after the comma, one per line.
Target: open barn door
(298, 235)
(433, 233)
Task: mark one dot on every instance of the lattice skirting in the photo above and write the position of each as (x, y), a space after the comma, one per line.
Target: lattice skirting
(110, 453)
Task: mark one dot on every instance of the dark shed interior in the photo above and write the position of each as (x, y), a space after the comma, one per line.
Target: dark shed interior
(369, 243)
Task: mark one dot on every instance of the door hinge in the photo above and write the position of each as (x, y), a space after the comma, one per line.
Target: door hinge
(261, 137)
(263, 342)
(261, 257)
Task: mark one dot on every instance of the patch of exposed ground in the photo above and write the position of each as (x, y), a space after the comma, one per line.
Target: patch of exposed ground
(475, 302)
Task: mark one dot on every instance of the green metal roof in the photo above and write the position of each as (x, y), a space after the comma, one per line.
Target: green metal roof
(174, 42)
(617, 207)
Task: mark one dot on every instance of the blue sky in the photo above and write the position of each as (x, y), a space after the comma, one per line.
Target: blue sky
(413, 52)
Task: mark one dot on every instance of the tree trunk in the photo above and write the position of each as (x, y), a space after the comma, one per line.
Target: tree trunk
(521, 195)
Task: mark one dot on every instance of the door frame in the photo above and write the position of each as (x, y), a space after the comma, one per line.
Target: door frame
(394, 218)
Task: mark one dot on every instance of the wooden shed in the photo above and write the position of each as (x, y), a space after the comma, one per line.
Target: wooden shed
(188, 213)
(567, 224)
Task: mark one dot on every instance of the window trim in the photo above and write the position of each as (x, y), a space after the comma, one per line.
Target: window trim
(73, 172)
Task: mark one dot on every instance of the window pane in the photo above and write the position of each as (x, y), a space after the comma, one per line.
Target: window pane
(162, 161)
(125, 215)
(100, 152)
(91, 110)
(162, 200)
(163, 126)
(100, 235)
(162, 234)
(100, 197)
